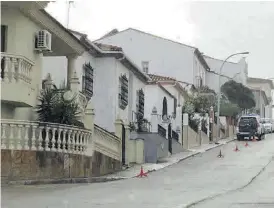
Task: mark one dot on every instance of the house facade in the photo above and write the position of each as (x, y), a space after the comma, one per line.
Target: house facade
(116, 85)
(156, 55)
(21, 56)
(262, 89)
(28, 35)
(236, 71)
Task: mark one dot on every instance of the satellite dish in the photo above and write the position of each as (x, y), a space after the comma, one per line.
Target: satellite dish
(68, 95)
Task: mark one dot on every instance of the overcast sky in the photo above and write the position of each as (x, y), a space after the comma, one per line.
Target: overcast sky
(216, 28)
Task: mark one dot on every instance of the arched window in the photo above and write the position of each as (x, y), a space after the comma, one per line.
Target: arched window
(164, 110)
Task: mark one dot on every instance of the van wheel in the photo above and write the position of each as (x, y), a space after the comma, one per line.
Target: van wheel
(239, 138)
(260, 137)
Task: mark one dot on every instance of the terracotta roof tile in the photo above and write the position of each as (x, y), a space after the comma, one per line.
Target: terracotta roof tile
(155, 77)
(106, 47)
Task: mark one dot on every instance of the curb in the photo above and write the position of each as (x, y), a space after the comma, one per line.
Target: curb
(62, 181)
(192, 155)
(98, 179)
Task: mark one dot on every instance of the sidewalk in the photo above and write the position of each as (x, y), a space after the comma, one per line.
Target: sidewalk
(173, 159)
(130, 172)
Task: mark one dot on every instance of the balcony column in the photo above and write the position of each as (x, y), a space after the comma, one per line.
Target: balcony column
(74, 82)
(71, 68)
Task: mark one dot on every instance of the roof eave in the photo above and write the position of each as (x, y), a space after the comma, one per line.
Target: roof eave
(201, 59)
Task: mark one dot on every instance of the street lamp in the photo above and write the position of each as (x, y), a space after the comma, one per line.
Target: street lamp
(219, 89)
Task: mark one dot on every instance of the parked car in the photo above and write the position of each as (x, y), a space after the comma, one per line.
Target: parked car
(244, 127)
(268, 125)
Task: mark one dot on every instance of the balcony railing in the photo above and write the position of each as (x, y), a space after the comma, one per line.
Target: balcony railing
(175, 135)
(161, 131)
(16, 69)
(27, 135)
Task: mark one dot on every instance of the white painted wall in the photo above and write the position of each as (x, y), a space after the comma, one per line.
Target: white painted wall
(166, 58)
(267, 89)
(263, 86)
(237, 71)
(175, 93)
(20, 41)
(154, 96)
(107, 71)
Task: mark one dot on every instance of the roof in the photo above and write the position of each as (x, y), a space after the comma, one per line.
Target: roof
(61, 26)
(260, 80)
(184, 87)
(112, 32)
(196, 50)
(159, 78)
(101, 50)
(209, 57)
(201, 59)
(78, 33)
(115, 31)
(106, 47)
(165, 90)
(156, 78)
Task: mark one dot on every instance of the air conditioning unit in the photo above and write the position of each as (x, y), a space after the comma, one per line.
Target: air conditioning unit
(43, 41)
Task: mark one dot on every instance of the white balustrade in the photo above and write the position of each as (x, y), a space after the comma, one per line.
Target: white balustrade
(16, 69)
(18, 134)
(107, 143)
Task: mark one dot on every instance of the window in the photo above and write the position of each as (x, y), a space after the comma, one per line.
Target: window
(175, 106)
(164, 108)
(87, 80)
(123, 92)
(145, 66)
(4, 30)
(140, 102)
(199, 81)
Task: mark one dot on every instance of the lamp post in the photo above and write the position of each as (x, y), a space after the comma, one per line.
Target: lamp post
(219, 90)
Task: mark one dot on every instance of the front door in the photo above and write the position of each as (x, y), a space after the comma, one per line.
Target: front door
(169, 139)
(123, 145)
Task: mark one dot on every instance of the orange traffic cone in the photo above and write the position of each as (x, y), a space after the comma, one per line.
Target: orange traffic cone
(236, 149)
(142, 173)
(246, 144)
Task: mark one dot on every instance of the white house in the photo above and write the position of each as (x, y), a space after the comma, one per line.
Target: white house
(29, 33)
(263, 94)
(157, 55)
(167, 96)
(109, 78)
(236, 71)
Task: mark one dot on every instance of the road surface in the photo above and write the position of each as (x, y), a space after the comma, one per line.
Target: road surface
(237, 180)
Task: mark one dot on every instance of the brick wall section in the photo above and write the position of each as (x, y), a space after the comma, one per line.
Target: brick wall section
(35, 165)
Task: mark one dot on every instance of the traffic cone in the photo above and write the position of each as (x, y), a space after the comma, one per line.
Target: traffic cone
(142, 173)
(236, 149)
(246, 144)
(220, 155)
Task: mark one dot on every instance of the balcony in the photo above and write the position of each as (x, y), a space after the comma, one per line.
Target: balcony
(38, 136)
(16, 80)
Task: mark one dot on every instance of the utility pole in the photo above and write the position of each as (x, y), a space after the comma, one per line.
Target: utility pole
(68, 13)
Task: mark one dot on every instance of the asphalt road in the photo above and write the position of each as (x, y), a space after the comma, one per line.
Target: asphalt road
(240, 179)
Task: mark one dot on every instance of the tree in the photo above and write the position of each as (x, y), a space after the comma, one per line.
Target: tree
(54, 108)
(238, 94)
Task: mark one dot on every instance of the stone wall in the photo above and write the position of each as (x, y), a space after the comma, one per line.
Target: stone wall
(102, 164)
(40, 165)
